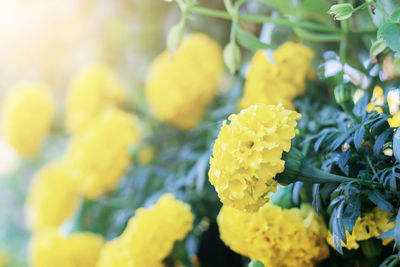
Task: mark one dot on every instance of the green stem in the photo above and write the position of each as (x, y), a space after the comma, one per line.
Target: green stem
(317, 37)
(262, 19)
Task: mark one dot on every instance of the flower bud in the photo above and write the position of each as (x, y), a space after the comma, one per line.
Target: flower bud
(342, 94)
(341, 11)
(175, 37)
(232, 57)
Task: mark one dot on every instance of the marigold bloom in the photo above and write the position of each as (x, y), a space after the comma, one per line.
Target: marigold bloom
(376, 100)
(275, 236)
(26, 116)
(278, 83)
(142, 243)
(99, 155)
(49, 248)
(393, 99)
(247, 155)
(92, 91)
(367, 226)
(52, 197)
(180, 85)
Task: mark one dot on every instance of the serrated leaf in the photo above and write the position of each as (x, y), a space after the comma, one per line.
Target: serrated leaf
(379, 200)
(250, 42)
(396, 144)
(377, 47)
(390, 33)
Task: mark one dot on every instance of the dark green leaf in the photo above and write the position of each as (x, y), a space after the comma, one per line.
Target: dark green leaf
(250, 42)
(390, 33)
(381, 140)
(316, 197)
(379, 200)
(360, 109)
(351, 213)
(397, 230)
(396, 144)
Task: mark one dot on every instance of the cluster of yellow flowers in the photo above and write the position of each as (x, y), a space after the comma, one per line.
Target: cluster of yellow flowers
(393, 100)
(247, 155)
(52, 197)
(91, 92)
(49, 248)
(367, 226)
(180, 85)
(99, 154)
(275, 236)
(149, 236)
(279, 82)
(27, 114)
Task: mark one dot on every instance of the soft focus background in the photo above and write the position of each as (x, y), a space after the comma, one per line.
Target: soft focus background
(50, 42)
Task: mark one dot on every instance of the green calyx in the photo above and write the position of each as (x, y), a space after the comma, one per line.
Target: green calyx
(297, 170)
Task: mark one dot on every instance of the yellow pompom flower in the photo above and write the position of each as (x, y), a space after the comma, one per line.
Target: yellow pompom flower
(91, 92)
(26, 116)
(367, 226)
(180, 85)
(52, 197)
(393, 99)
(49, 248)
(376, 100)
(247, 155)
(99, 155)
(276, 237)
(278, 83)
(143, 243)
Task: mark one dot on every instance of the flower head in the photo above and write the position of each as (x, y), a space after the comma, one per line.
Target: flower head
(393, 99)
(99, 155)
(49, 248)
(90, 93)
(180, 85)
(369, 225)
(27, 115)
(247, 155)
(52, 197)
(376, 100)
(278, 83)
(143, 243)
(275, 236)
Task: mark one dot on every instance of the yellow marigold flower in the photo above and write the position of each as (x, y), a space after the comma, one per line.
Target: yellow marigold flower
(376, 100)
(52, 197)
(99, 155)
(275, 236)
(393, 99)
(142, 243)
(367, 226)
(278, 84)
(180, 85)
(49, 248)
(247, 155)
(27, 115)
(91, 92)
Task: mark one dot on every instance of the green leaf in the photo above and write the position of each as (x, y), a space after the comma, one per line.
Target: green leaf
(377, 47)
(397, 230)
(256, 263)
(281, 5)
(396, 15)
(396, 144)
(390, 33)
(250, 42)
(379, 200)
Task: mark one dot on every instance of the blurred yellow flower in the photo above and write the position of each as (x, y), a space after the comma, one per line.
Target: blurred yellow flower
(393, 99)
(279, 83)
(180, 85)
(3, 259)
(27, 116)
(367, 226)
(52, 197)
(91, 92)
(247, 155)
(276, 237)
(49, 248)
(150, 235)
(99, 155)
(376, 100)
